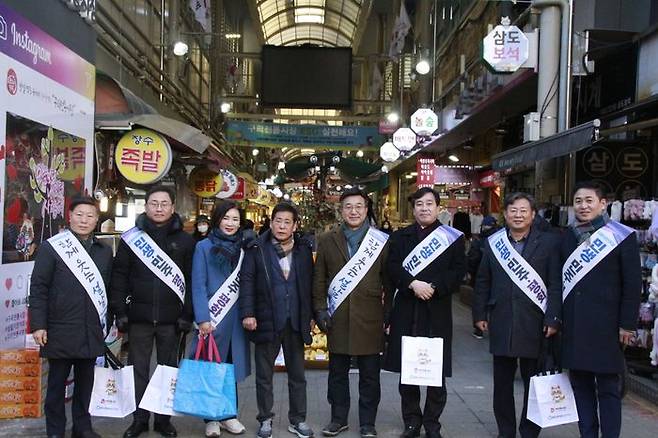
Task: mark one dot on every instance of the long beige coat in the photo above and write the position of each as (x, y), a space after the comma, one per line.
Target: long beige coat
(357, 324)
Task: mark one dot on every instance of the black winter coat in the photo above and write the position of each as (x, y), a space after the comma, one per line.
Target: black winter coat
(256, 298)
(516, 324)
(59, 304)
(606, 299)
(150, 300)
(412, 316)
(474, 255)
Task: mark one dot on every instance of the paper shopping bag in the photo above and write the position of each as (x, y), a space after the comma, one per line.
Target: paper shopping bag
(422, 361)
(206, 389)
(551, 401)
(159, 394)
(113, 394)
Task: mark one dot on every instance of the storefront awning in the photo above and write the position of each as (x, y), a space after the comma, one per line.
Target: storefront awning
(562, 143)
(119, 109)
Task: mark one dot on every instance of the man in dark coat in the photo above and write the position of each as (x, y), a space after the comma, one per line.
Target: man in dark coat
(423, 307)
(515, 322)
(146, 307)
(276, 281)
(600, 315)
(356, 328)
(65, 323)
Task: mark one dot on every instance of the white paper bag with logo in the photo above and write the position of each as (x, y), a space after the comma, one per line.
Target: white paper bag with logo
(551, 401)
(422, 361)
(159, 394)
(113, 394)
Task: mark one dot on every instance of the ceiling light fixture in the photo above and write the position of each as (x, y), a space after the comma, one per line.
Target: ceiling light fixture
(255, 152)
(180, 48)
(393, 117)
(359, 153)
(225, 107)
(423, 66)
(454, 158)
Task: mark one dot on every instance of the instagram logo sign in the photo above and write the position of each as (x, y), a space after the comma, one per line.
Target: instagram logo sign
(3, 28)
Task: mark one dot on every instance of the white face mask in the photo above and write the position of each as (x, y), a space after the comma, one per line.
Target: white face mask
(203, 228)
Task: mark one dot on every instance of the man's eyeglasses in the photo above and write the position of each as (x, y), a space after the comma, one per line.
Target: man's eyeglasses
(357, 207)
(163, 205)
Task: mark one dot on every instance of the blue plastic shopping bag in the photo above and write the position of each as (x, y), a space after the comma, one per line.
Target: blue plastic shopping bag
(206, 388)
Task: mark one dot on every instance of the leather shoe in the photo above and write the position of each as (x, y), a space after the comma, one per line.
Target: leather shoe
(89, 433)
(410, 432)
(136, 429)
(165, 429)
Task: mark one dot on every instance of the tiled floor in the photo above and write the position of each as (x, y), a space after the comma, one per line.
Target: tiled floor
(467, 415)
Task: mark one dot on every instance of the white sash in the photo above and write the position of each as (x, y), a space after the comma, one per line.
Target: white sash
(226, 296)
(518, 269)
(590, 253)
(356, 268)
(156, 260)
(78, 260)
(430, 249)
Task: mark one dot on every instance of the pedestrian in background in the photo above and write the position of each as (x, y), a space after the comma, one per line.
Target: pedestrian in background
(65, 320)
(600, 311)
(517, 319)
(423, 304)
(215, 258)
(276, 309)
(351, 309)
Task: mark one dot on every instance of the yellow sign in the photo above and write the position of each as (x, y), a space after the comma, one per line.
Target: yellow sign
(205, 183)
(143, 156)
(73, 149)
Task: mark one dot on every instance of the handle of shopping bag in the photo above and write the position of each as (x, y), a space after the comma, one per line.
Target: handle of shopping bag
(212, 349)
(112, 360)
(547, 363)
(200, 347)
(213, 352)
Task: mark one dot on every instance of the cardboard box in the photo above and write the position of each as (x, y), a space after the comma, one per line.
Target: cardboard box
(9, 357)
(20, 410)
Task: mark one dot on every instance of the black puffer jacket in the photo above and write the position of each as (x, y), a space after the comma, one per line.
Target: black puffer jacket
(137, 292)
(59, 304)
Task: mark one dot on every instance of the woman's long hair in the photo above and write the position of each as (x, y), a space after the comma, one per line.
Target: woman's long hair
(220, 211)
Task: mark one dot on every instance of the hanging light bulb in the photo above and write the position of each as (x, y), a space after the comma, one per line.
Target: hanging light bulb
(255, 152)
(359, 153)
(180, 48)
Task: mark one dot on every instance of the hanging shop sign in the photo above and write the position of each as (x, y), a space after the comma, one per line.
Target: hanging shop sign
(277, 135)
(425, 169)
(230, 184)
(239, 191)
(487, 178)
(505, 48)
(86, 8)
(72, 149)
(204, 182)
(404, 139)
(143, 156)
(424, 122)
(388, 152)
(452, 175)
(387, 127)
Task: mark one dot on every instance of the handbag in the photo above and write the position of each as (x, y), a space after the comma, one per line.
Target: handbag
(113, 393)
(551, 401)
(206, 388)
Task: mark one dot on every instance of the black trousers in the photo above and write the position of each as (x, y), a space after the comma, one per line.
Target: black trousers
(59, 369)
(504, 408)
(435, 402)
(293, 353)
(141, 337)
(338, 391)
(597, 396)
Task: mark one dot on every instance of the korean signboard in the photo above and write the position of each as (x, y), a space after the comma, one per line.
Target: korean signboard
(239, 191)
(143, 156)
(205, 183)
(47, 131)
(276, 135)
(404, 139)
(425, 170)
(505, 48)
(229, 184)
(424, 122)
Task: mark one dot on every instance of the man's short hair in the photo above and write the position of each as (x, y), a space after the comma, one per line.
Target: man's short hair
(589, 185)
(77, 200)
(354, 191)
(285, 207)
(160, 188)
(422, 192)
(513, 197)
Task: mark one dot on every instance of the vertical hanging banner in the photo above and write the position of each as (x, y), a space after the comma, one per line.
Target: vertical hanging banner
(425, 170)
(46, 139)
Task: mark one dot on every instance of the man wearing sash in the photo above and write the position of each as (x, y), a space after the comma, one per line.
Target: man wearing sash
(68, 314)
(276, 309)
(348, 299)
(426, 263)
(151, 294)
(517, 299)
(601, 296)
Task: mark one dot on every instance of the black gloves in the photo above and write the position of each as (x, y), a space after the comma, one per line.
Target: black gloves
(183, 325)
(323, 320)
(122, 323)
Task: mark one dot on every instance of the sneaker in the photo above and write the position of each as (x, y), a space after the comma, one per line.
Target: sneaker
(333, 429)
(232, 426)
(410, 432)
(301, 429)
(477, 333)
(265, 429)
(368, 432)
(213, 429)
